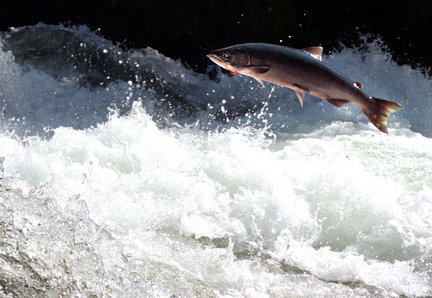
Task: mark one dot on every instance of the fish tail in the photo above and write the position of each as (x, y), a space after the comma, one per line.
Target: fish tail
(378, 112)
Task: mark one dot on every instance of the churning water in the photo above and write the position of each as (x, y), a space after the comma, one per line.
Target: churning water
(126, 174)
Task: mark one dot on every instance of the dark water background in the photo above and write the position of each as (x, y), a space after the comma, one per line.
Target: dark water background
(186, 30)
(124, 173)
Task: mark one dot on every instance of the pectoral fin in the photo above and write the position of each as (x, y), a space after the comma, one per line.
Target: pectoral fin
(337, 102)
(259, 69)
(260, 81)
(315, 52)
(300, 92)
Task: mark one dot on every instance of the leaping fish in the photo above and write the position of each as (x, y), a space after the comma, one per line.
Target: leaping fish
(303, 71)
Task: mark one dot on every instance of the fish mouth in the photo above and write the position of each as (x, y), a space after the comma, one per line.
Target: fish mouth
(214, 57)
(218, 60)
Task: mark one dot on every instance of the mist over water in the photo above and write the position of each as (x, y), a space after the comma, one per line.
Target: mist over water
(127, 174)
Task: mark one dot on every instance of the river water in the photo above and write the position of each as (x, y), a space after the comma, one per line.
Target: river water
(125, 173)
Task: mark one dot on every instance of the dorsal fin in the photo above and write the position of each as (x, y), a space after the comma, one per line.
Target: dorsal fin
(358, 85)
(315, 52)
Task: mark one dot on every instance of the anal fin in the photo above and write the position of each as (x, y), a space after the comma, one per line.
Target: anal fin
(337, 102)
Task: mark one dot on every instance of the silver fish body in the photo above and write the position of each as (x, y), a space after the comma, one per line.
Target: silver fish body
(303, 71)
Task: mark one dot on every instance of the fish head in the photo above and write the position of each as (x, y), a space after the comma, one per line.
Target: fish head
(234, 59)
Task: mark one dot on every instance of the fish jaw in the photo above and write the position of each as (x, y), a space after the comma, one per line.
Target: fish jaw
(228, 66)
(219, 61)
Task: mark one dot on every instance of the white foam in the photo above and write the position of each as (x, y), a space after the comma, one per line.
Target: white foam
(136, 179)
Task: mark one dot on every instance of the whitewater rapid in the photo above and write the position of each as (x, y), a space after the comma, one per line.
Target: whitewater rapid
(187, 186)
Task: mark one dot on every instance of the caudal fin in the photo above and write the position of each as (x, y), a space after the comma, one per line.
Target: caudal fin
(378, 113)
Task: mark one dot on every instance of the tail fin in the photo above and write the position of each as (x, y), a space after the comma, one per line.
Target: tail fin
(378, 113)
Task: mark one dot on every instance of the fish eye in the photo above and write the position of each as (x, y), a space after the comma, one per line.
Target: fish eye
(225, 55)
